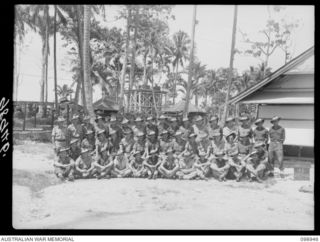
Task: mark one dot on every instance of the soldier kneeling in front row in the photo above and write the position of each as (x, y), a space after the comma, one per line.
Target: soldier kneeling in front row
(64, 165)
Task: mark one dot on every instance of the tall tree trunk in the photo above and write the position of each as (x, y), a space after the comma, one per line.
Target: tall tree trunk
(186, 109)
(133, 55)
(44, 76)
(80, 47)
(196, 99)
(124, 67)
(76, 95)
(86, 60)
(133, 51)
(225, 111)
(55, 60)
(152, 89)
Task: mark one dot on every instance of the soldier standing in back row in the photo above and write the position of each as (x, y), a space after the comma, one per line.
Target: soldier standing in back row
(245, 136)
(75, 129)
(277, 137)
(59, 135)
(260, 133)
(230, 127)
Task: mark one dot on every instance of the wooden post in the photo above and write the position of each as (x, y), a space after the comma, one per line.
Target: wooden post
(68, 114)
(35, 119)
(186, 109)
(24, 117)
(225, 111)
(52, 118)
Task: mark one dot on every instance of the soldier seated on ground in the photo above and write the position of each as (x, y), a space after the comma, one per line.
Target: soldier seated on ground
(237, 166)
(75, 149)
(84, 167)
(257, 163)
(219, 166)
(89, 141)
(151, 163)
(187, 169)
(136, 165)
(121, 165)
(169, 164)
(103, 163)
(64, 165)
(202, 164)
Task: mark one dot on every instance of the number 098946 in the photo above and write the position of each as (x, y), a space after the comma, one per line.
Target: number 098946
(309, 239)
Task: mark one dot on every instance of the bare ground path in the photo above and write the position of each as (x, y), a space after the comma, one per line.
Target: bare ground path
(43, 202)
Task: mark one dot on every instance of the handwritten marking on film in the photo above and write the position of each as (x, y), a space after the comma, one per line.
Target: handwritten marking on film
(4, 145)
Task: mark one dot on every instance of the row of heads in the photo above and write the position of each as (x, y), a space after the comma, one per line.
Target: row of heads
(172, 119)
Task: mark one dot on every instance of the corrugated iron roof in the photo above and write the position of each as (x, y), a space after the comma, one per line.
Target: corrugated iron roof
(282, 70)
(280, 97)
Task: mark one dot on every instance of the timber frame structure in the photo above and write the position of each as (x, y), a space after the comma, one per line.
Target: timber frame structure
(141, 101)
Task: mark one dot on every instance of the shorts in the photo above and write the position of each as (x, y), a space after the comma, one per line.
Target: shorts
(275, 146)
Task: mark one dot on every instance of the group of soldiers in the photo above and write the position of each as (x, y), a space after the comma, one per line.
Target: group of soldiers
(167, 147)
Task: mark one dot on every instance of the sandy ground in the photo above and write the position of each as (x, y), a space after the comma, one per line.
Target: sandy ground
(40, 201)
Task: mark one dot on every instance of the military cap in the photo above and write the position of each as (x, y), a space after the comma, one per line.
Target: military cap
(230, 119)
(125, 121)
(192, 135)
(138, 119)
(112, 131)
(136, 152)
(170, 149)
(89, 131)
(150, 118)
(127, 131)
(275, 118)
(99, 117)
(187, 153)
(202, 152)
(199, 118)
(243, 118)
(153, 152)
(87, 117)
(259, 120)
(231, 133)
(151, 132)
(61, 119)
(253, 153)
(185, 119)
(63, 149)
(234, 153)
(73, 141)
(75, 116)
(84, 150)
(162, 117)
(164, 132)
(173, 119)
(140, 134)
(178, 133)
(219, 153)
(113, 119)
(213, 118)
(100, 131)
(216, 134)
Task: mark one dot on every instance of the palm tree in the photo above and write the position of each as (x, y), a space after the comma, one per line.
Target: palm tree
(39, 20)
(64, 91)
(179, 52)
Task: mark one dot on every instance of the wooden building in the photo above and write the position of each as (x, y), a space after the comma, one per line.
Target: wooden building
(289, 93)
